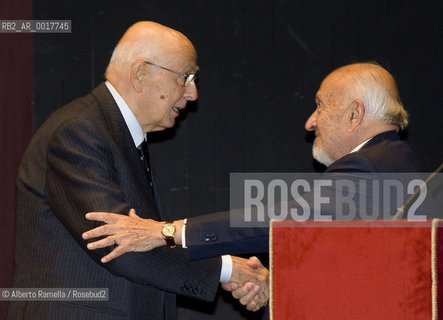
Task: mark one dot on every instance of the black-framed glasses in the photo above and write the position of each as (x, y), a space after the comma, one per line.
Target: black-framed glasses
(188, 77)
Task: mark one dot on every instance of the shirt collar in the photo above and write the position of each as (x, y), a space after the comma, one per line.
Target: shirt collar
(131, 121)
(360, 146)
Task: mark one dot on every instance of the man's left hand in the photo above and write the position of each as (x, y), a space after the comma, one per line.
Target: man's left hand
(129, 233)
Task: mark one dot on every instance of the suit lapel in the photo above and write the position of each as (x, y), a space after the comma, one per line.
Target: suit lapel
(120, 134)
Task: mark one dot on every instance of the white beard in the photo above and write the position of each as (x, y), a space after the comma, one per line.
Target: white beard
(320, 155)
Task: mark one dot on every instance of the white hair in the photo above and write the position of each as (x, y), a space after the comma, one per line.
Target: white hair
(126, 53)
(377, 89)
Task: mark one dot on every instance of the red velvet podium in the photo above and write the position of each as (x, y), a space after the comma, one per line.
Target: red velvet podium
(355, 270)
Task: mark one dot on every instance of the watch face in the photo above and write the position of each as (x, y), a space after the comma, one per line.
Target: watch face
(168, 230)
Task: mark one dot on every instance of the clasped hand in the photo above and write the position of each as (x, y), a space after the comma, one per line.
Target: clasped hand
(249, 283)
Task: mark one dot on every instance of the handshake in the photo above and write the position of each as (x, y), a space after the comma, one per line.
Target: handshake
(249, 282)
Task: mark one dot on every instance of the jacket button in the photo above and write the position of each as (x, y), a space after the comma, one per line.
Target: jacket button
(209, 237)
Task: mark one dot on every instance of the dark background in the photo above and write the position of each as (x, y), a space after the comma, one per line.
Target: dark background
(261, 64)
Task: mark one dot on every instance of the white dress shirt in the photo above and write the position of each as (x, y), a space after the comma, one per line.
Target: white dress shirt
(131, 121)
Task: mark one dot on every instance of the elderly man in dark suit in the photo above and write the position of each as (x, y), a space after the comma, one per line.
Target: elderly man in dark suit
(90, 155)
(356, 121)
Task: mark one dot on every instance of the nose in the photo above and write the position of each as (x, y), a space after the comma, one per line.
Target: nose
(191, 92)
(311, 123)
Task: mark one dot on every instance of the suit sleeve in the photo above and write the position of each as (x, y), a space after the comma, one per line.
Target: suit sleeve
(211, 235)
(82, 177)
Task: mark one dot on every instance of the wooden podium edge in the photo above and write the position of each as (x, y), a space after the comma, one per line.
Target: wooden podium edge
(271, 271)
(434, 271)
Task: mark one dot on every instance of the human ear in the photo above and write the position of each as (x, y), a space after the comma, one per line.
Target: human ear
(357, 112)
(137, 75)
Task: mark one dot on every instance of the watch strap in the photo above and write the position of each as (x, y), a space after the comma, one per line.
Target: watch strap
(170, 242)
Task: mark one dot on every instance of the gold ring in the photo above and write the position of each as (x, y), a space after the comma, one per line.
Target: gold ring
(113, 238)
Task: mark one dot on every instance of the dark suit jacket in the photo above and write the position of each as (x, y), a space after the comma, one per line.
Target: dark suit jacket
(83, 159)
(210, 235)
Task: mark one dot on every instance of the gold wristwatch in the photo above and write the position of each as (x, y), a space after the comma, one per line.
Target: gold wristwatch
(168, 232)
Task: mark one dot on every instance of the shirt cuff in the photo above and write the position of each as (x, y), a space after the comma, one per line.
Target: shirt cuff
(226, 270)
(184, 234)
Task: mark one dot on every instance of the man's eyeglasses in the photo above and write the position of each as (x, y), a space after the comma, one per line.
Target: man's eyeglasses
(188, 77)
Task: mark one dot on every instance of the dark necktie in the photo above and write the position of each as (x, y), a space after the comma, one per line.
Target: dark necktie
(144, 157)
